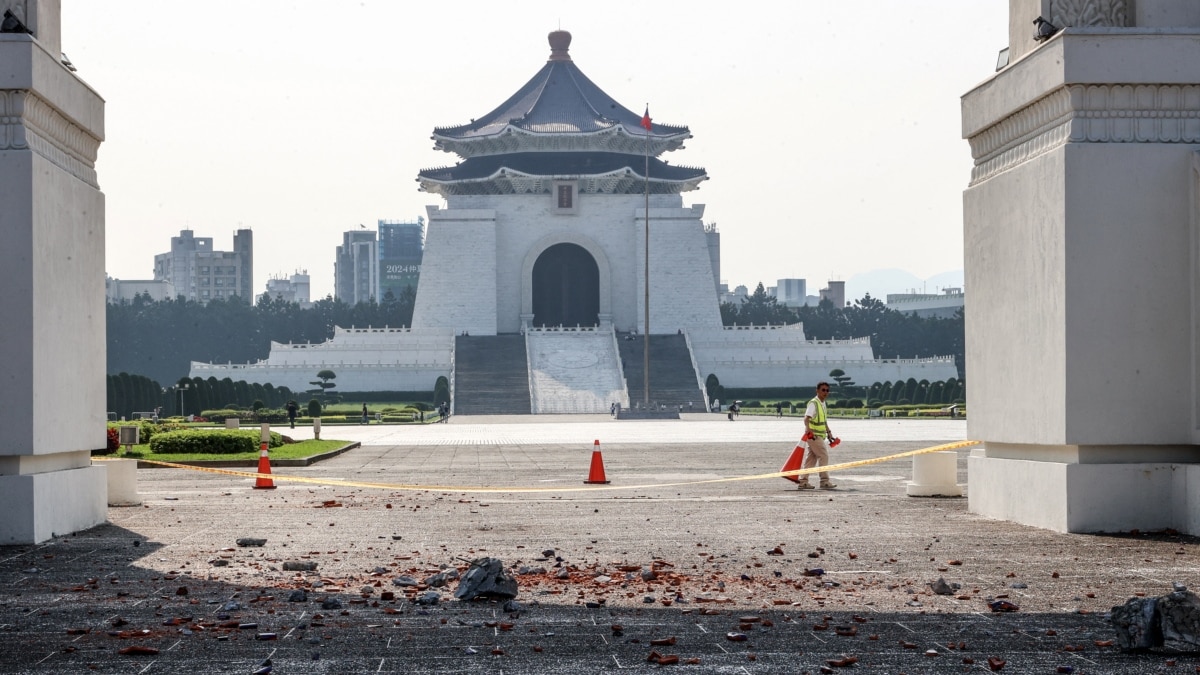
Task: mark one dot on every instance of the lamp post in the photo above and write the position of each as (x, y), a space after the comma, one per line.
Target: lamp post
(182, 388)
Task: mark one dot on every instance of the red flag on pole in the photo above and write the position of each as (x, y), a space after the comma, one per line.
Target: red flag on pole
(646, 119)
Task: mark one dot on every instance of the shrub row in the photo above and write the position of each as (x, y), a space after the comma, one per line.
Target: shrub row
(270, 415)
(147, 430)
(407, 415)
(211, 441)
(280, 416)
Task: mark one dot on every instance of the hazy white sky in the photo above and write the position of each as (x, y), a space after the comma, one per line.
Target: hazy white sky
(830, 130)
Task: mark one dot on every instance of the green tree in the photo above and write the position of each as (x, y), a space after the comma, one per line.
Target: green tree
(324, 383)
(441, 390)
(843, 380)
(729, 314)
(761, 309)
(937, 393)
(824, 322)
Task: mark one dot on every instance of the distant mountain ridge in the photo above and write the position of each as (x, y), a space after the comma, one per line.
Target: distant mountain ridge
(880, 283)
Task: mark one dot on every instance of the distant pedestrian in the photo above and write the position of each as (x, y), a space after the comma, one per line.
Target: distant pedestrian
(779, 409)
(364, 415)
(612, 409)
(291, 412)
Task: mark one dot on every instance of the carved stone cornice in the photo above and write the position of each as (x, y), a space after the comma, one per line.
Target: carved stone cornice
(28, 122)
(1095, 113)
(1109, 13)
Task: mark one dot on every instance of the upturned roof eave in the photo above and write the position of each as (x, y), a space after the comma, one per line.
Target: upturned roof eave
(431, 185)
(507, 172)
(677, 134)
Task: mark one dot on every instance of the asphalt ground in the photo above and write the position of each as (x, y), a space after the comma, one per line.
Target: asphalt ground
(751, 576)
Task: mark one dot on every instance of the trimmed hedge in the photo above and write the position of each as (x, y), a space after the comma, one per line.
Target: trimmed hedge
(270, 415)
(213, 441)
(221, 415)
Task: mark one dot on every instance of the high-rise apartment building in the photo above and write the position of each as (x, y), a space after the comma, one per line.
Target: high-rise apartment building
(356, 268)
(200, 273)
(835, 293)
(401, 246)
(791, 292)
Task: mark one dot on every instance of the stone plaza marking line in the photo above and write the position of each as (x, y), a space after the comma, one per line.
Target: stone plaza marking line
(480, 488)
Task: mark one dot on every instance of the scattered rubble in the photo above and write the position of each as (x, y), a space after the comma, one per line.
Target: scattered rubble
(1168, 623)
(942, 588)
(486, 579)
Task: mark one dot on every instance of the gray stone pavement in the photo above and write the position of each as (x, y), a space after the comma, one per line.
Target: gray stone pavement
(734, 557)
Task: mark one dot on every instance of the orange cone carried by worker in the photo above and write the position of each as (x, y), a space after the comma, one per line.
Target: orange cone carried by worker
(794, 461)
(264, 462)
(596, 474)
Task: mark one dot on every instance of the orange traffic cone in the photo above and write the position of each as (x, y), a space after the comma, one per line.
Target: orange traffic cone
(596, 475)
(795, 461)
(264, 466)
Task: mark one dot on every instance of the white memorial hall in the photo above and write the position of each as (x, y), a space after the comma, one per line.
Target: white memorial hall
(535, 274)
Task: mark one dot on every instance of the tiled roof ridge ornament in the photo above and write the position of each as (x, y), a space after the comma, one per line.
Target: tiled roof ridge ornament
(560, 45)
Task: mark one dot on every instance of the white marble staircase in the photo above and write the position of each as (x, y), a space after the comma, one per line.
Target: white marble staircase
(574, 370)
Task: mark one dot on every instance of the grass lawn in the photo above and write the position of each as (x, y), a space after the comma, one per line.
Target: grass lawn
(298, 450)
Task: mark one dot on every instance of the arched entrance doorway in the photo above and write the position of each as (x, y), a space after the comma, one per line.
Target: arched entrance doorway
(566, 287)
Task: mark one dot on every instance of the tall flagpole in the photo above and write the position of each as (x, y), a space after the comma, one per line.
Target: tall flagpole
(646, 300)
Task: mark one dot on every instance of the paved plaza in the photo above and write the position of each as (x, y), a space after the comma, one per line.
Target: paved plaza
(684, 554)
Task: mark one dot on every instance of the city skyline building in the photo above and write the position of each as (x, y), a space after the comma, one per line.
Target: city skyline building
(791, 292)
(835, 293)
(199, 272)
(356, 267)
(401, 248)
(294, 288)
(125, 290)
(942, 305)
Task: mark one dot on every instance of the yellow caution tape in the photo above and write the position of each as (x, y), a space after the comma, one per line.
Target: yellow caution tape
(590, 488)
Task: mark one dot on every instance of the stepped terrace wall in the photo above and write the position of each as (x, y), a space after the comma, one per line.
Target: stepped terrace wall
(780, 356)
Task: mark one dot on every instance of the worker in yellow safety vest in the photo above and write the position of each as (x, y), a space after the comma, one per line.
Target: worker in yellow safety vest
(816, 427)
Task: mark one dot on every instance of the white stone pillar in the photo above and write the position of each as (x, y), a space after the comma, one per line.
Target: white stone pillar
(1081, 235)
(935, 474)
(52, 388)
(122, 482)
